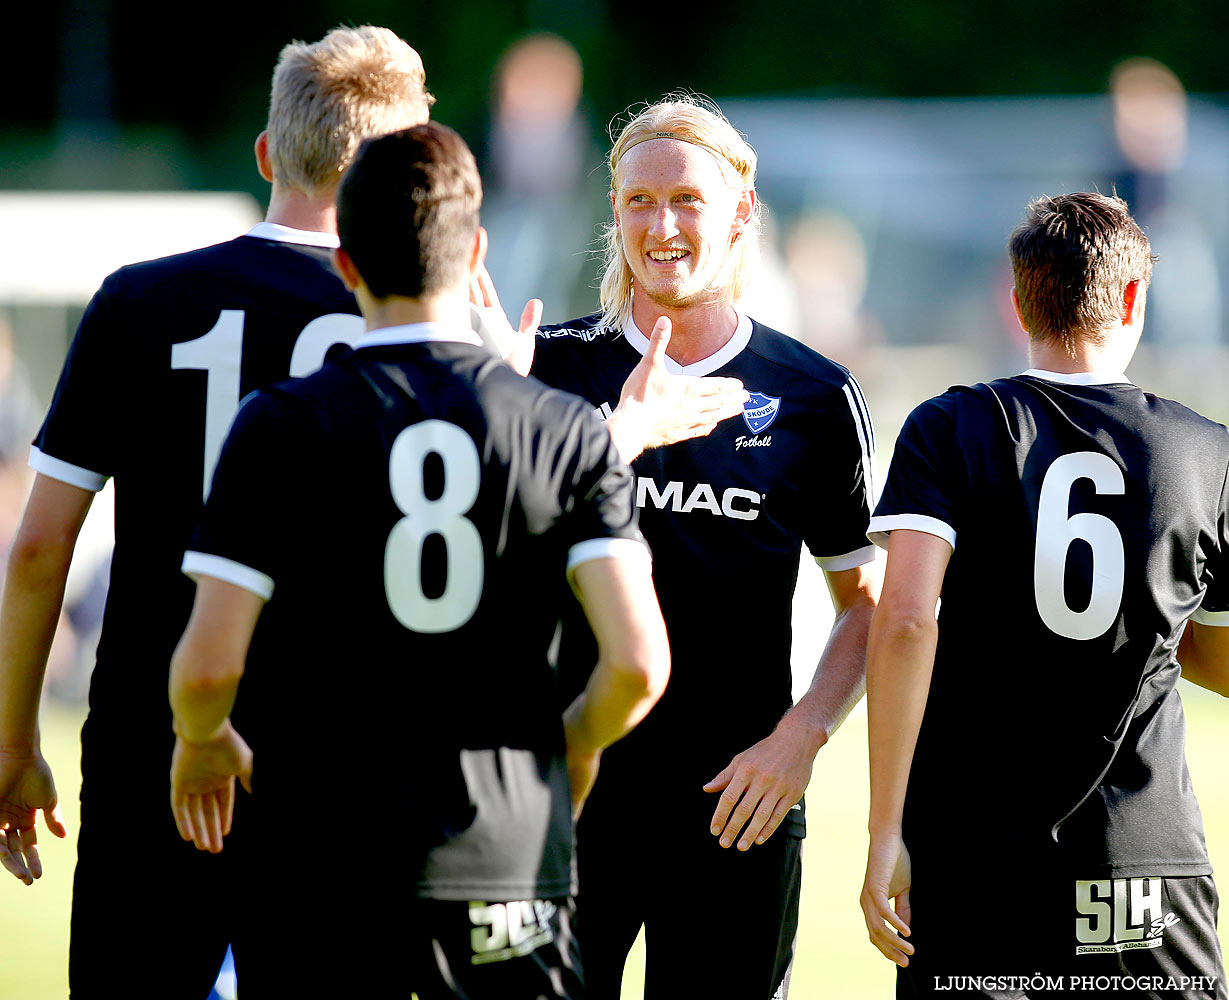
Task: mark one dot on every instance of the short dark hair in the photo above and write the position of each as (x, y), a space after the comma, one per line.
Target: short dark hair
(1073, 257)
(407, 211)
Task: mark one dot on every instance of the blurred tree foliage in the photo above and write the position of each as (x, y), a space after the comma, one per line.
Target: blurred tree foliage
(117, 68)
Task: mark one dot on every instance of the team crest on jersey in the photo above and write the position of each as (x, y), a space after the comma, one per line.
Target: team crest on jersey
(760, 411)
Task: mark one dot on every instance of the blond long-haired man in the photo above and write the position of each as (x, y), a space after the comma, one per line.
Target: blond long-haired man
(162, 357)
(698, 813)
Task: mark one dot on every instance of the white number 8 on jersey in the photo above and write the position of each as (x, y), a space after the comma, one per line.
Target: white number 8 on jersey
(443, 516)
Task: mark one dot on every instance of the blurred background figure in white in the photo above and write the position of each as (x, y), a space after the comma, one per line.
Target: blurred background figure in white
(539, 152)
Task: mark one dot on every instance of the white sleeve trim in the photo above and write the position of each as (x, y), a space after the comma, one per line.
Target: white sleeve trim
(605, 548)
(882, 526)
(1217, 618)
(203, 564)
(850, 560)
(66, 472)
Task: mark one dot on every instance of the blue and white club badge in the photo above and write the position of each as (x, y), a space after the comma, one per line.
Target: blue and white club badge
(760, 411)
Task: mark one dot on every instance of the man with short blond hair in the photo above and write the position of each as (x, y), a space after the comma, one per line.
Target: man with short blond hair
(163, 355)
(329, 96)
(718, 769)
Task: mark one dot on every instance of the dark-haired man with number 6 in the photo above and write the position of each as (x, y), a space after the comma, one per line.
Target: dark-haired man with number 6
(162, 357)
(1031, 811)
(402, 623)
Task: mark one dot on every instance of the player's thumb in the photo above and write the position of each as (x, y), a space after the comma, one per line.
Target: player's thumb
(659, 340)
(718, 783)
(246, 760)
(245, 777)
(904, 909)
(55, 820)
(531, 316)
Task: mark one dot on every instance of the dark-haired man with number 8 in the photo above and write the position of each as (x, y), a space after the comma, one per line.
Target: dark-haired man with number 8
(1031, 812)
(393, 522)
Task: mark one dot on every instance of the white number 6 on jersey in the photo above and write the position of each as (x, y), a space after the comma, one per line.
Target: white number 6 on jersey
(1055, 533)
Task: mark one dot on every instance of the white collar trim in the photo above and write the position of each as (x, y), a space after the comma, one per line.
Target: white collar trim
(1080, 378)
(284, 234)
(418, 333)
(705, 366)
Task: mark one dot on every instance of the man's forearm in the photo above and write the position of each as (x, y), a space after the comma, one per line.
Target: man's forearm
(29, 611)
(209, 660)
(899, 664)
(900, 658)
(840, 678)
(199, 709)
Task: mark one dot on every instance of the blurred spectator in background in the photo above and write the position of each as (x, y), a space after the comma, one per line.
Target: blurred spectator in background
(771, 296)
(827, 260)
(1151, 128)
(534, 208)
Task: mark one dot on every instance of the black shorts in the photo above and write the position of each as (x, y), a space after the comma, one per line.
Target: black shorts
(471, 951)
(151, 915)
(684, 891)
(1137, 937)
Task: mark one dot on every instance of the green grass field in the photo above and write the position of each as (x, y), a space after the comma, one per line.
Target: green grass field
(834, 958)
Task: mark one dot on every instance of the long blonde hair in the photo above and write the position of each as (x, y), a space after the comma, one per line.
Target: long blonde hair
(693, 119)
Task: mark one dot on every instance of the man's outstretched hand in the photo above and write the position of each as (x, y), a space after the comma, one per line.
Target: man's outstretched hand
(658, 407)
(26, 786)
(515, 346)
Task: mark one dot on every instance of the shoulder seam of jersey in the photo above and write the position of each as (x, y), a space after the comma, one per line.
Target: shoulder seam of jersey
(798, 371)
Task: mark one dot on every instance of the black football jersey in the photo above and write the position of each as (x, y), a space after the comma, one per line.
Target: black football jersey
(164, 353)
(405, 510)
(726, 517)
(1089, 521)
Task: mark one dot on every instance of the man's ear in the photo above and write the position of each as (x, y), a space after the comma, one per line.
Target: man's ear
(1015, 304)
(745, 211)
(614, 209)
(345, 267)
(263, 164)
(1132, 302)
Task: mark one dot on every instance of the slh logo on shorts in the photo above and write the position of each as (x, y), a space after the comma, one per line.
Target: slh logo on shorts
(509, 930)
(760, 411)
(1119, 915)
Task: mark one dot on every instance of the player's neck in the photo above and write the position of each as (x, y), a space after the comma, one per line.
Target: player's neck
(296, 209)
(452, 310)
(1109, 357)
(696, 331)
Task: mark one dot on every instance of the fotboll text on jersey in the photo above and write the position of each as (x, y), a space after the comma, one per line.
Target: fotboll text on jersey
(1120, 914)
(735, 502)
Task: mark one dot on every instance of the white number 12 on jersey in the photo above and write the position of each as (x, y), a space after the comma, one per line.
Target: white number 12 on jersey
(1055, 533)
(219, 353)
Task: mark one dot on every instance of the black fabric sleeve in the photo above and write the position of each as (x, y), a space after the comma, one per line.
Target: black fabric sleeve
(244, 528)
(78, 440)
(1215, 607)
(546, 358)
(598, 498)
(922, 481)
(844, 486)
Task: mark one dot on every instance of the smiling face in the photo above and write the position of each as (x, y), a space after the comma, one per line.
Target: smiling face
(678, 215)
